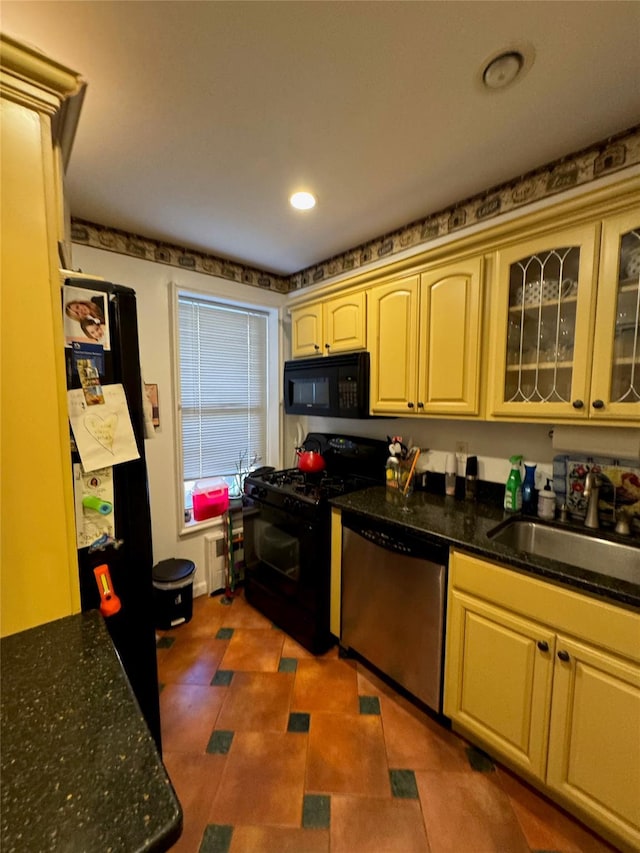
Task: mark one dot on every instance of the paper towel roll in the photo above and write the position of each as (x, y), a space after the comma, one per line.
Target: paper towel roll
(617, 442)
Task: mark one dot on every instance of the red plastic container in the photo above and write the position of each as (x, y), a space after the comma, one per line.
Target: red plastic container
(210, 498)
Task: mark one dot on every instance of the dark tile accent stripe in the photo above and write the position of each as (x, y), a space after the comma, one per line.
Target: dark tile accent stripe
(224, 634)
(299, 722)
(479, 760)
(288, 665)
(216, 839)
(220, 742)
(369, 704)
(165, 642)
(222, 678)
(316, 811)
(403, 784)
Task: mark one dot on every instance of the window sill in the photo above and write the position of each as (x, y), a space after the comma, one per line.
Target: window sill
(214, 523)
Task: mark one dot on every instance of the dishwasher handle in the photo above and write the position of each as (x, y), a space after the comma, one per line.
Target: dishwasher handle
(400, 541)
(383, 540)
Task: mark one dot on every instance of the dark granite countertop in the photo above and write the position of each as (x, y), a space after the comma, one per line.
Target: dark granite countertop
(80, 770)
(464, 524)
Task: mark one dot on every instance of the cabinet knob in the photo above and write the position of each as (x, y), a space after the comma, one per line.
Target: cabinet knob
(543, 646)
(327, 346)
(598, 404)
(410, 405)
(564, 655)
(420, 405)
(316, 347)
(577, 404)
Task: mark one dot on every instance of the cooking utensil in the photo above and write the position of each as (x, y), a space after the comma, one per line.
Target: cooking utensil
(414, 453)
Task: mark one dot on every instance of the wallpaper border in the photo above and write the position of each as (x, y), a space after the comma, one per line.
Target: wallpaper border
(604, 158)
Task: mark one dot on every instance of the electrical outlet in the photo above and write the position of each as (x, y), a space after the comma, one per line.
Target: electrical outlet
(462, 451)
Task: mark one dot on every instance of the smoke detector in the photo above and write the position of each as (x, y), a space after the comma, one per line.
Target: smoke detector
(506, 66)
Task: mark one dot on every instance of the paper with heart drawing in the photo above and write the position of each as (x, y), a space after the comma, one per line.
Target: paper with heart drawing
(103, 435)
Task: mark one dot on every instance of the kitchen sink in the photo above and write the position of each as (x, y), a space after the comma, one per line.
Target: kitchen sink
(581, 549)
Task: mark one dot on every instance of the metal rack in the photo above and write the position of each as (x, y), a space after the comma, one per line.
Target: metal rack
(233, 541)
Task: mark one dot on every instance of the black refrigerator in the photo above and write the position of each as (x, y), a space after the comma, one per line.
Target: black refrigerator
(107, 337)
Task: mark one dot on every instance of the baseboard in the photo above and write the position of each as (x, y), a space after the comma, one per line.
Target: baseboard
(199, 589)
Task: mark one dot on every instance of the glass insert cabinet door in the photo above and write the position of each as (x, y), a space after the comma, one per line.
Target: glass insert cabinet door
(545, 299)
(615, 389)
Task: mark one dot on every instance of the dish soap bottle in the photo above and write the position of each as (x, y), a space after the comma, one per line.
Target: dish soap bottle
(529, 493)
(513, 488)
(547, 502)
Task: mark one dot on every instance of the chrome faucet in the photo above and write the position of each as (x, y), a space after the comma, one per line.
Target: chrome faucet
(592, 483)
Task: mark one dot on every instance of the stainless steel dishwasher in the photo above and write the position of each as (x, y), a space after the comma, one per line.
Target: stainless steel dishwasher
(393, 603)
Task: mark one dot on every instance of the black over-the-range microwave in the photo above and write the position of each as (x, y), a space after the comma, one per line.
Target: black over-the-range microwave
(333, 386)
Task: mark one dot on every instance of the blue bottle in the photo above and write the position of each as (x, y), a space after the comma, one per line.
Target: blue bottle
(529, 492)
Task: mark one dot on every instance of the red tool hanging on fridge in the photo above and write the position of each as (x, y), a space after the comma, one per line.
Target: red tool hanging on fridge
(109, 602)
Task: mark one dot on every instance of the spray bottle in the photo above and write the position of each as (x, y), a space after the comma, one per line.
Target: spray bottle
(513, 488)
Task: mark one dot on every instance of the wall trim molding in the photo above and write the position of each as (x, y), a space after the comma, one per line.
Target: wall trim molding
(614, 154)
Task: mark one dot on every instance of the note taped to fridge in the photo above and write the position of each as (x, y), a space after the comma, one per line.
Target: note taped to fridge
(91, 523)
(103, 437)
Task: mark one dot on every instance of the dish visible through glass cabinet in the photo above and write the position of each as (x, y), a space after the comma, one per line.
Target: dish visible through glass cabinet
(625, 371)
(543, 292)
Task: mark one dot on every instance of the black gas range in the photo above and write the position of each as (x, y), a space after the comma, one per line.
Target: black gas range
(287, 533)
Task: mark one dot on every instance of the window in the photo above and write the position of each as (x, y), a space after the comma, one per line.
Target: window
(223, 358)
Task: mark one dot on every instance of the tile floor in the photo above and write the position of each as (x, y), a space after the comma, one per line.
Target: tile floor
(272, 750)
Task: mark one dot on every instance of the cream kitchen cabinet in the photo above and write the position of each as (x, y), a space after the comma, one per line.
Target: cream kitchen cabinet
(424, 332)
(594, 737)
(615, 373)
(504, 666)
(548, 681)
(564, 339)
(334, 325)
(39, 577)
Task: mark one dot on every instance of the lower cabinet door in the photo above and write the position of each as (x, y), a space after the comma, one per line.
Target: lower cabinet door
(499, 675)
(594, 741)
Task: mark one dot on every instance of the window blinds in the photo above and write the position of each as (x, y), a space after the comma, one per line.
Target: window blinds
(223, 381)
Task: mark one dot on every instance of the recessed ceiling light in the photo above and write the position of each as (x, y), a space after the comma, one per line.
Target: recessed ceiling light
(302, 201)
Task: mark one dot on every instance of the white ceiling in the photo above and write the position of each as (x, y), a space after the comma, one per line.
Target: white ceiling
(202, 117)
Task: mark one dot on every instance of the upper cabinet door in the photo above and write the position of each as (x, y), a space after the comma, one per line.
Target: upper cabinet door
(450, 328)
(345, 323)
(331, 326)
(392, 333)
(306, 330)
(543, 313)
(615, 387)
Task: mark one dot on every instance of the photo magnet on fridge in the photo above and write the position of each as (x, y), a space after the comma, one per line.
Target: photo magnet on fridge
(95, 352)
(86, 318)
